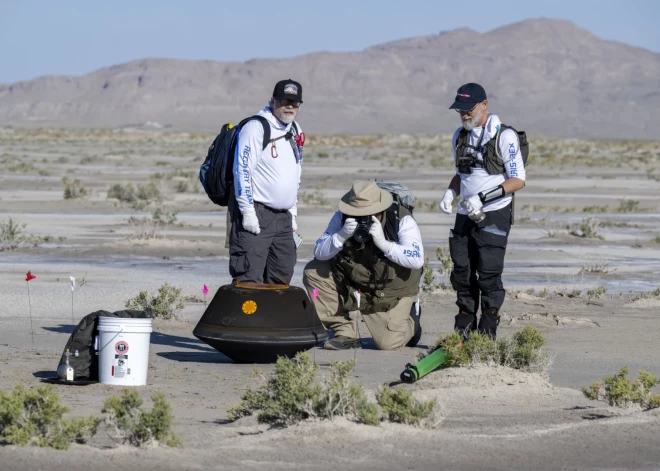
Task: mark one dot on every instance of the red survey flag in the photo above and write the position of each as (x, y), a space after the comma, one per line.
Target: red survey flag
(29, 276)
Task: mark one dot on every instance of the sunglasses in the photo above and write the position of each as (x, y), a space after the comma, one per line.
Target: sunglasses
(295, 104)
(462, 112)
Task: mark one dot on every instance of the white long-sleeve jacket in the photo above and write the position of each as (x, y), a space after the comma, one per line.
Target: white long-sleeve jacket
(270, 177)
(408, 252)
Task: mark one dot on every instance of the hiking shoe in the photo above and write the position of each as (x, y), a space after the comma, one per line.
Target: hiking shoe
(417, 317)
(490, 319)
(464, 323)
(341, 343)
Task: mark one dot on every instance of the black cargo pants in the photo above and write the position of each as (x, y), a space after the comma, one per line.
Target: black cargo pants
(267, 257)
(477, 251)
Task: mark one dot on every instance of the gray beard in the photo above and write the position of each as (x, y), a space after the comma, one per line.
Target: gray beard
(287, 119)
(470, 125)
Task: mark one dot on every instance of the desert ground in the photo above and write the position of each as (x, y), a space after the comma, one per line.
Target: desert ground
(582, 265)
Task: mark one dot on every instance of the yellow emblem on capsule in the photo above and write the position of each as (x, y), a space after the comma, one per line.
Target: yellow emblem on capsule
(249, 307)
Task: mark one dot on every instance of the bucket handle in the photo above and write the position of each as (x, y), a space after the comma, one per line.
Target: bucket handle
(111, 340)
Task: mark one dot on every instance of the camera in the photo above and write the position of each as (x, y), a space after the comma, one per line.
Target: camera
(361, 234)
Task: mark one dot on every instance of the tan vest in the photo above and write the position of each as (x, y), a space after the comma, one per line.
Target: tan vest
(382, 283)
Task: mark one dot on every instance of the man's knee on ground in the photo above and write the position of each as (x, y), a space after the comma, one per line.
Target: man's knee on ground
(392, 340)
(396, 334)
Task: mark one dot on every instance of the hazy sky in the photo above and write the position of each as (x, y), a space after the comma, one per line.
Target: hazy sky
(73, 37)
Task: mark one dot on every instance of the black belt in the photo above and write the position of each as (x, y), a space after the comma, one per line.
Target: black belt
(272, 210)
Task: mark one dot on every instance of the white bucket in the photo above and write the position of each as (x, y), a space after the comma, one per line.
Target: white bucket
(124, 350)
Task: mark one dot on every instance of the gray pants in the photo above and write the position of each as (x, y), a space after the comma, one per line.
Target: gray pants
(267, 257)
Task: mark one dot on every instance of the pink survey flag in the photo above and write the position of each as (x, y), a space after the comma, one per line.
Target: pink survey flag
(205, 290)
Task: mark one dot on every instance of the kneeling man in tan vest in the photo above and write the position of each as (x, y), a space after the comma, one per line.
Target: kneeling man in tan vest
(369, 259)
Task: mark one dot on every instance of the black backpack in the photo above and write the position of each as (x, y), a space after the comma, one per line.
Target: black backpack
(86, 364)
(217, 172)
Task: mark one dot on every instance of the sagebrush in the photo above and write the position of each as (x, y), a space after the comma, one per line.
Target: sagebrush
(619, 391)
(164, 304)
(139, 427)
(35, 417)
(292, 394)
(399, 405)
(522, 351)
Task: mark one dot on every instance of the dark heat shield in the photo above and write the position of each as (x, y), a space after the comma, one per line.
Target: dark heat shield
(256, 323)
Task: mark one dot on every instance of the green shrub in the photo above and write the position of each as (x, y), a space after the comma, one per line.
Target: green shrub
(138, 427)
(12, 235)
(128, 193)
(181, 187)
(73, 189)
(164, 304)
(399, 405)
(339, 396)
(596, 292)
(586, 229)
(628, 206)
(619, 391)
(595, 209)
(428, 277)
(288, 397)
(148, 192)
(164, 217)
(36, 417)
(522, 351)
(122, 192)
(446, 263)
(292, 394)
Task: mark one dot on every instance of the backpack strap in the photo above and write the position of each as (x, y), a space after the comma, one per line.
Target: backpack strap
(266, 125)
(503, 127)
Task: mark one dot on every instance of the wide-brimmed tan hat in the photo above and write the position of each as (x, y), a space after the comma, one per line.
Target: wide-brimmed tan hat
(365, 199)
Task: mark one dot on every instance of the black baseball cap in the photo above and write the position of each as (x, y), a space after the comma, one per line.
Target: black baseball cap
(288, 90)
(469, 96)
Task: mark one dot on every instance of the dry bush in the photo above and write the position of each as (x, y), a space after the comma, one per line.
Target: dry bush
(35, 417)
(523, 351)
(619, 391)
(292, 395)
(164, 305)
(136, 426)
(73, 188)
(586, 229)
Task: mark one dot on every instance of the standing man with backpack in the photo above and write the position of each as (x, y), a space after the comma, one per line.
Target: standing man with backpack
(266, 181)
(369, 259)
(490, 166)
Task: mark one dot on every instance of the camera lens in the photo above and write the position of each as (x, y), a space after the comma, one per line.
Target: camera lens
(361, 234)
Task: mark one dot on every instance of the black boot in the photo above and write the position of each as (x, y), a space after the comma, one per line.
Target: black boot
(465, 323)
(417, 317)
(488, 323)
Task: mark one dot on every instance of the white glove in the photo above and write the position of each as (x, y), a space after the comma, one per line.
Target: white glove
(294, 224)
(472, 204)
(251, 222)
(346, 232)
(377, 235)
(447, 200)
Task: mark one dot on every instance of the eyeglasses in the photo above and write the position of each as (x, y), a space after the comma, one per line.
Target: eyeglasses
(462, 112)
(295, 104)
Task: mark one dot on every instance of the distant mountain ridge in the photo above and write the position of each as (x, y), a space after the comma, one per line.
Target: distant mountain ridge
(546, 76)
